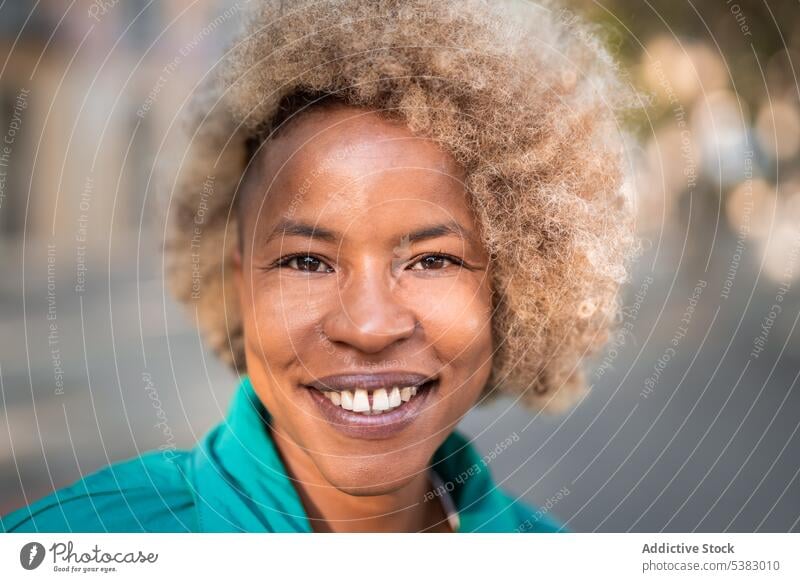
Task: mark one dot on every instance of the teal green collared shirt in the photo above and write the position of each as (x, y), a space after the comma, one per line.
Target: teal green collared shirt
(233, 480)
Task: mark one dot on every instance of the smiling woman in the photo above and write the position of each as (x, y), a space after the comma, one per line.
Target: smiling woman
(374, 259)
(414, 206)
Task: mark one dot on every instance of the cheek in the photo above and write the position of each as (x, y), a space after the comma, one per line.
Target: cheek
(281, 323)
(457, 320)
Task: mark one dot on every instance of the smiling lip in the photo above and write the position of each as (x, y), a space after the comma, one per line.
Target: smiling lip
(370, 382)
(375, 426)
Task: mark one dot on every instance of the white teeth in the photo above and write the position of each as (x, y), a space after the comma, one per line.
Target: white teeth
(360, 401)
(347, 400)
(380, 400)
(377, 402)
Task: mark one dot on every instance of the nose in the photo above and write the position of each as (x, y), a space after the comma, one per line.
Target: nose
(369, 315)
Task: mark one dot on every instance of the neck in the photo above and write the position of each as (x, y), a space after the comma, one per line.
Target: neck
(405, 509)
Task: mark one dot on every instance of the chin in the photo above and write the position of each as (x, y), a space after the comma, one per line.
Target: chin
(370, 478)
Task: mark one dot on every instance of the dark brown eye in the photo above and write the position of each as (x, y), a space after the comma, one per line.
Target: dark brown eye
(306, 264)
(434, 262)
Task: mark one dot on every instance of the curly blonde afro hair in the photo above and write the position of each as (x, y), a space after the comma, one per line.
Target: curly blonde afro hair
(521, 95)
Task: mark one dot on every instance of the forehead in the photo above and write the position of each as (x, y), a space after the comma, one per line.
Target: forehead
(343, 163)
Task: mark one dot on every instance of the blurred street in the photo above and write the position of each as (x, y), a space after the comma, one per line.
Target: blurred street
(692, 420)
(712, 446)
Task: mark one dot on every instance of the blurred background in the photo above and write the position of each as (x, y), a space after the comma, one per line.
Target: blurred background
(692, 420)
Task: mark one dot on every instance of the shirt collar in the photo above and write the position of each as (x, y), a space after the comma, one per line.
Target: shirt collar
(241, 484)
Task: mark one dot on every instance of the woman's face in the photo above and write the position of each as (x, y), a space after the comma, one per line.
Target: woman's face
(362, 277)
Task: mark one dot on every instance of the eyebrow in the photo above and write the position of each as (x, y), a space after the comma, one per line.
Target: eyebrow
(289, 227)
